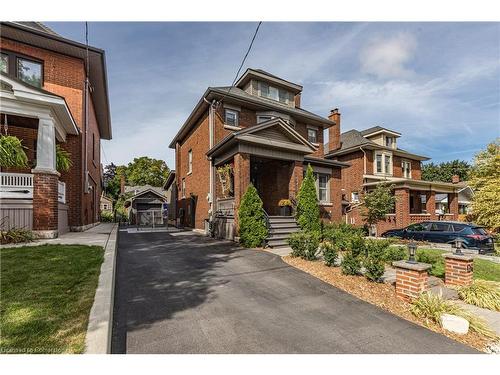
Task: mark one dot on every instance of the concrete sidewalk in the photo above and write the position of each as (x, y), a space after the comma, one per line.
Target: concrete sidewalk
(95, 236)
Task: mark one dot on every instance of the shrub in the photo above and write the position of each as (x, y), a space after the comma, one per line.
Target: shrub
(433, 258)
(374, 262)
(16, 235)
(343, 236)
(304, 245)
(351, 264)
(12, 152)
(107, 217)
(63, 159)
(395, 253)
(307, 204)
(430, 307)
(481, 293)
(252, 222)
(330, 252)
(378, 203)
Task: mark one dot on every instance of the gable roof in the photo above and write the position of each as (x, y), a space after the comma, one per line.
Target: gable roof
(377, 129)
(142, 188)
(263, 75)
(150, 190)
(39, 35)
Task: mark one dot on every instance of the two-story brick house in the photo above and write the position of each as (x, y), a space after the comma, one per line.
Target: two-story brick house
(374, 158)
(48, 99)
(258, 132)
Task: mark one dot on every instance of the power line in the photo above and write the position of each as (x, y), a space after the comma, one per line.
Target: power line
(242, 62)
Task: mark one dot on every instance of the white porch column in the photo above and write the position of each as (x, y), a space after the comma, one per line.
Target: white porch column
(46, 146)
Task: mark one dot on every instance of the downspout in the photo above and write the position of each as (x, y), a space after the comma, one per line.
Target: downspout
(211, 136)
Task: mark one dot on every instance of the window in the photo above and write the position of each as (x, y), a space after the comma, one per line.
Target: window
(312, 135)
(183, 188)
(274, 93)
(231, 117)
(283, 96)
(389, 141)
(29, 71)
(105, 206)
(438, 227)
(261, 119)
(190, 161)
(4, 63)
(419, 227)
(355, 196)
(383, 163)
(406, 168)
(322, 187)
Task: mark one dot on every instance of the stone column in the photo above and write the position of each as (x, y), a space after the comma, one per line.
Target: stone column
(411, 279)
(458, 269)
(45, 182)
(430, 205)
(453, 205)
(402, 207)
(241, 181)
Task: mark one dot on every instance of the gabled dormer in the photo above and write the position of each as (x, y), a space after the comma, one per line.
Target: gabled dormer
(259, 83)
(382, 136)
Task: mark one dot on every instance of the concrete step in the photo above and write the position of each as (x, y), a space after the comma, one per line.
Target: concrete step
(283, 225)
(278, 236)
(281, 219)
(287, 230)
(277, 242)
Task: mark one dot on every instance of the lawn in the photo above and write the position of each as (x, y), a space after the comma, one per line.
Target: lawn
(46, 296)
(483, 269)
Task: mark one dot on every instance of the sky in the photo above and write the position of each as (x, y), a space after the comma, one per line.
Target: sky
(436, 83)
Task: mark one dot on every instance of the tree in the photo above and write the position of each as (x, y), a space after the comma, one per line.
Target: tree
(147, 171)
(485, 180)
(444, 171)
(251, 219)
(378, 203)
(307, 204)
(111, 179)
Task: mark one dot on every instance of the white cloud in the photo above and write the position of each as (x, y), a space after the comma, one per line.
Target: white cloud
(387, 58)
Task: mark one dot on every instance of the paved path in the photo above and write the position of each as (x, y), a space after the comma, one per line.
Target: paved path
(189, 294)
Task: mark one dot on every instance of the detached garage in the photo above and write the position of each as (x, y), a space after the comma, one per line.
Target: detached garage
(146, 208)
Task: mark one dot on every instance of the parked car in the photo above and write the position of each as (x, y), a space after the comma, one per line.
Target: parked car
(472, 236)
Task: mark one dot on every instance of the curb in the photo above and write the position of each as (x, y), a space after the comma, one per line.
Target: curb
(99, 329)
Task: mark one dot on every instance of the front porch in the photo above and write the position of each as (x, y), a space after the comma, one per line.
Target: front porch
(33, 197)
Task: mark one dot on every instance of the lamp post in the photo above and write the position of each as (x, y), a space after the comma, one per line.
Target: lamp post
(458, 246)
(412, 249)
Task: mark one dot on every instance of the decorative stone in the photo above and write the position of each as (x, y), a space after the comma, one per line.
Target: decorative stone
(459, 269)
(411, 279)
(455, 324)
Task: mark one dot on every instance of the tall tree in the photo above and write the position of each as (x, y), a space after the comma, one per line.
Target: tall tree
(444, 171)
(251, 219)
(485, 180)
(378, 203)
(307, 203)
(147, 171)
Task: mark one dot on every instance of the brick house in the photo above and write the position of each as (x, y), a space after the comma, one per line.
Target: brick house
(374, 158)
(44, 102)
(258, 131)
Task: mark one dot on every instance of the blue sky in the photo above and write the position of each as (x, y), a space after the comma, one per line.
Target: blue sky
(437, 83)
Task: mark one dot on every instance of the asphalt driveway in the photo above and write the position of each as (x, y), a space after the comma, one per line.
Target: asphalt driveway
(185, 293)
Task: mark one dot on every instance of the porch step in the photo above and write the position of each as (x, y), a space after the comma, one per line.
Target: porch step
(280, 229)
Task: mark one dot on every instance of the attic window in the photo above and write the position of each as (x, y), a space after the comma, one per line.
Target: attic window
(312, 135)
(389, 141)
(274, 93)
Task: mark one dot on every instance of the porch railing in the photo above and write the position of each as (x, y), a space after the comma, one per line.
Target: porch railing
(61, 192)
(16, 185)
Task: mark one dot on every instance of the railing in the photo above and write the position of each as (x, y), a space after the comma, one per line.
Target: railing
(16, 185)
(61, 192)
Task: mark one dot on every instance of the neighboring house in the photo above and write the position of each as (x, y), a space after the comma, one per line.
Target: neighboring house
(375, 158)
(257, 132)
(145, 206)
(170, 188)
(465, 195)
(44, 102)
(106, 204)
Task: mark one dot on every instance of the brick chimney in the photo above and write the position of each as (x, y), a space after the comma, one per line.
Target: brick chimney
(455, 179)
(122, 184)
(334, 131)
(297, 100)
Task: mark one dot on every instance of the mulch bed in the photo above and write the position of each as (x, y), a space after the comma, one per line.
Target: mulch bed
(379, 294)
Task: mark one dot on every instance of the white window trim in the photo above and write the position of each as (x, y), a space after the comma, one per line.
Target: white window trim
(190, 162)
(391, 166)
(352, 197)
(326, 202)
(236, 114)
(314, 128)
(403, 169)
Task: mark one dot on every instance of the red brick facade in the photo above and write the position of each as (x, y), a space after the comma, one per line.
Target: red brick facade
(65, 76)
(45, 212)
(411, 279)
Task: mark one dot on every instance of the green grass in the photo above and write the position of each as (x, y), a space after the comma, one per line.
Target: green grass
(46, 296)
(483, 269)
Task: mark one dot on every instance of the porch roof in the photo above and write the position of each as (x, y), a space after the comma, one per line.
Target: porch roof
(437, 186)
(273, 134)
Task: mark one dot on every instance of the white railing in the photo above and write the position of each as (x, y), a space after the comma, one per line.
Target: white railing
(16, 185)
(61, 192)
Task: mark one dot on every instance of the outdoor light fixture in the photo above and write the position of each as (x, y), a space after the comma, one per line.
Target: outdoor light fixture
(412, 249)
(458, 246)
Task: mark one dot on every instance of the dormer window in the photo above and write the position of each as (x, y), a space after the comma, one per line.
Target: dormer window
(389, 141)
(274, 93)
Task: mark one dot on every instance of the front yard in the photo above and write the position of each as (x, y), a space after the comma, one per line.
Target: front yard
(46, 296)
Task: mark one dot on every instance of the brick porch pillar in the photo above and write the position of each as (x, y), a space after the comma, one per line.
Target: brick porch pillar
(402, 207)
(45, 178)
(241, 181)
(453, 205)
(458, 269)
(430, 204)
(411, 279)
(296, 177)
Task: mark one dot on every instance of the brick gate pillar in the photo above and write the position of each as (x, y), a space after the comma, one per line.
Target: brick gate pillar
(241, 181)
(402, 207)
